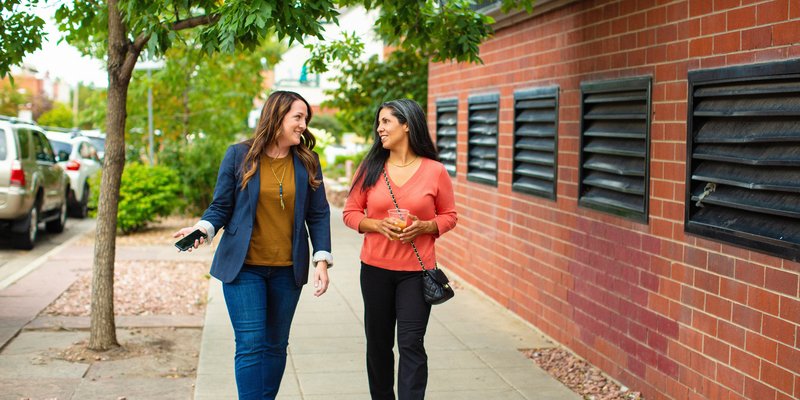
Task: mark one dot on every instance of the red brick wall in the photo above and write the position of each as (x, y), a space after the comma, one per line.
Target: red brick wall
(673, 315)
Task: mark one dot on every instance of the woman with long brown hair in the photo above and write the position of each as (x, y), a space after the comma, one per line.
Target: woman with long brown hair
(270, 199)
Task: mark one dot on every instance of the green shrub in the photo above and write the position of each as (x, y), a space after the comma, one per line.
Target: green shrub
(60, 116)
(145, 194)
(197, 163)
(328, 123)
(356, 158)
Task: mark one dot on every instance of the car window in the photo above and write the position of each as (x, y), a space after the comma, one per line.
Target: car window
(86, 150)
(44, 152)
(3, 146)
(24, 144)
(99, 143)
(93, 152)
(60, 147)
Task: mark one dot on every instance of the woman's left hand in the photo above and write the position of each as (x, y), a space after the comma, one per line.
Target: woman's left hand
(417, 227)
(321, 280)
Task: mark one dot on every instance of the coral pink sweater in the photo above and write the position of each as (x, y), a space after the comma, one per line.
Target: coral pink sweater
(428, 194)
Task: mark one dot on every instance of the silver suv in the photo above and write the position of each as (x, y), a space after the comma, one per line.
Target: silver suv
(33, 187)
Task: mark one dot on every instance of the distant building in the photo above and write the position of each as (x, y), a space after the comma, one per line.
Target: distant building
(627, 176)
(36, 85)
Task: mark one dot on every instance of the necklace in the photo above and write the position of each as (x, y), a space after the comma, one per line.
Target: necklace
(406, 164)
(280, 181)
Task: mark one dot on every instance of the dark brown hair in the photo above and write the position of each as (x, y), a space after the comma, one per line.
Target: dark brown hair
(419, 139)
(269, 128)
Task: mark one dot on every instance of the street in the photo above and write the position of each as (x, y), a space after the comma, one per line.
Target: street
(16, 263)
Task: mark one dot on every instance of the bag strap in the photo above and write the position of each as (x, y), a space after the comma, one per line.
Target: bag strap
(391, 193)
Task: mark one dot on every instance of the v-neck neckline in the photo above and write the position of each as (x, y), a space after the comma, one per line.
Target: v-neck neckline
(411, 178)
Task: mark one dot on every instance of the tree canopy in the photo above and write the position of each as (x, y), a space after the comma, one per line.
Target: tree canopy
(21, 32)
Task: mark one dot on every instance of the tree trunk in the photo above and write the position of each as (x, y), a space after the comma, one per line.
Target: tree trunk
(102, 333)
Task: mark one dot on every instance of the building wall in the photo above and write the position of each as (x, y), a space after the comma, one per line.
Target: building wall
(665, 312)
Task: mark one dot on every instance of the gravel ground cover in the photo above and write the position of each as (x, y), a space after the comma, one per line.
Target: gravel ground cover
(142, 288)
(580, 376)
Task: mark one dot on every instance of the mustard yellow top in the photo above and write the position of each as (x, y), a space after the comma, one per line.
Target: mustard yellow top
(271, 242)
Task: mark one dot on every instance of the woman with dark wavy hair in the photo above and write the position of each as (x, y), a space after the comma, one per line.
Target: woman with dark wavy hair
(270, 199)
(391, 279)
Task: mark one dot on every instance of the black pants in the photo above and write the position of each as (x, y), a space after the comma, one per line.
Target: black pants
(393, 297)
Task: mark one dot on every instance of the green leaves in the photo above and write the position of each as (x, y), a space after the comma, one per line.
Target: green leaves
(85, 24)
(421, 30)
(243, 24)
(364, 85)
(146, 193)
(20, 32)
(195, 92)
(345, 51)
(448, 30)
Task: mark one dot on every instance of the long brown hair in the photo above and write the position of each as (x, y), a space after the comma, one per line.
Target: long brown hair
(269, 128)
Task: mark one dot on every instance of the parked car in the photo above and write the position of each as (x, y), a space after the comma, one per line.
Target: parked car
(78, 156)
(33, 187)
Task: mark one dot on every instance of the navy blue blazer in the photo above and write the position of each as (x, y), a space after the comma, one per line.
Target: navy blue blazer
(235, 210)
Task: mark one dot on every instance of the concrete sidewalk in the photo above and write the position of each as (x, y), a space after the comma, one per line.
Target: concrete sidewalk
(472, 344)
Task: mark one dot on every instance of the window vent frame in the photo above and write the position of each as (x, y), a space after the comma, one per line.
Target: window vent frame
(483, 133)
(614, 169)
(535, 159)
(743, 157)
(448, 140)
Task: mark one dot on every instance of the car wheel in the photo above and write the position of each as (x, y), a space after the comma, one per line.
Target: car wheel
(80, 209)
(25, 239)
(85, 201)
(57, 225)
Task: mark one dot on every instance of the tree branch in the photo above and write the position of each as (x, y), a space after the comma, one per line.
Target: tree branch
(138, 44)
(195, 21)
(133, 56)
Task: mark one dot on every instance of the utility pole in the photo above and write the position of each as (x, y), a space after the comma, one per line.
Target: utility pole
(75, 96)
(149, 66)
(150, 153)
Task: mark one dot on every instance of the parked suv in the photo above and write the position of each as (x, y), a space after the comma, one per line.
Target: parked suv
(78, 156)
(33, 187)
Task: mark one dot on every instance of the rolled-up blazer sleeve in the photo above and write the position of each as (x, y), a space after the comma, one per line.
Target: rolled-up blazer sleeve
(318, 219)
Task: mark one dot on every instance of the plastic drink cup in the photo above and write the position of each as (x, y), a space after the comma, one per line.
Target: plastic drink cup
(400, 217)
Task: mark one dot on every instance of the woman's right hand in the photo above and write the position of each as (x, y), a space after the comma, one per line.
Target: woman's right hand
(386, 227)
(189, 229)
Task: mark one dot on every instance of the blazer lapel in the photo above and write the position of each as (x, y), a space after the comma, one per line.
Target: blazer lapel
(300, 183)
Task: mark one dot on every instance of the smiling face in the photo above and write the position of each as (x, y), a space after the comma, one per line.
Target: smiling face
(293, 125)
(390, 131)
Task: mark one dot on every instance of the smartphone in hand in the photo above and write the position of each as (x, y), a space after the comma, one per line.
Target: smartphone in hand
(187, 241)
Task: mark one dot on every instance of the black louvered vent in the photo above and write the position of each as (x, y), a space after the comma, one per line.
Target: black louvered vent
(743, 157)
(447, 133)
(482, 143)
(535, 141)
(615, 147)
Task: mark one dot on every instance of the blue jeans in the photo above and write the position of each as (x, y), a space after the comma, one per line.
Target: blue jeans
(261, 303)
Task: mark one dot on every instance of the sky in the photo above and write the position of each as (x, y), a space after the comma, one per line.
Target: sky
(62, 60)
